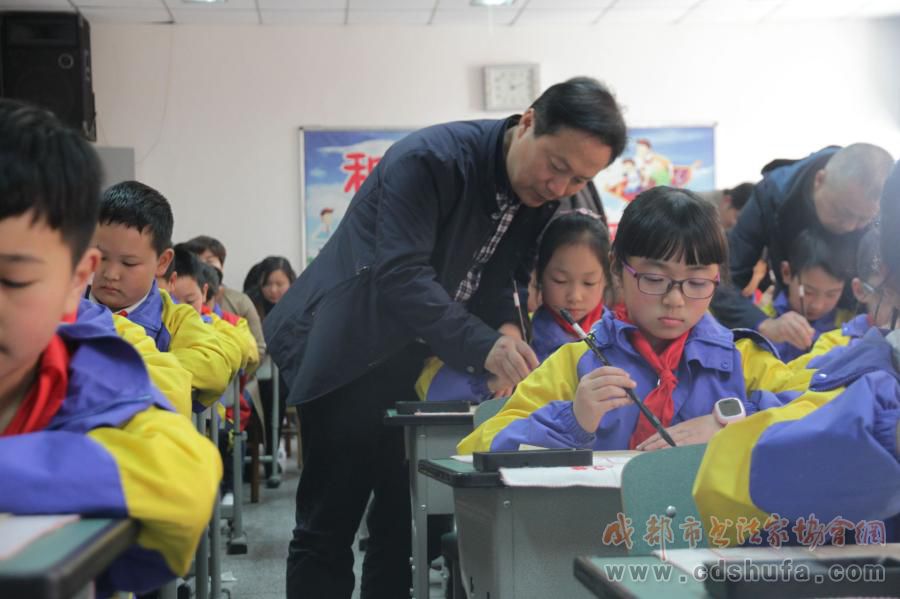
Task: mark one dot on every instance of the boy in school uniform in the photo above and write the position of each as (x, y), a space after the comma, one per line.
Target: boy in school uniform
(814, 274)
(759, 470)
(134, 238)
(869, 290)
(82, 428)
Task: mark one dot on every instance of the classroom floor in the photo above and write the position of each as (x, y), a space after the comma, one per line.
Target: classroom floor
(268, 524)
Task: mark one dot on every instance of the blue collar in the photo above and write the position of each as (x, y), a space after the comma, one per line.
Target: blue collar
(843, 365)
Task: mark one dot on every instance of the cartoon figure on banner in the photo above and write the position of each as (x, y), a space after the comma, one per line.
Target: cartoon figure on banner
(647, 169)
(323, 231)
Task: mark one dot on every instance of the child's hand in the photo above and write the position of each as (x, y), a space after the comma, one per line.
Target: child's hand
(790, 327)
(498, 391)
(690, 432)
(599, 392)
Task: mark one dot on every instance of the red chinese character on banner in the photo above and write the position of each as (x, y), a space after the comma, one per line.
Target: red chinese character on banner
(748, 530)
(659, 531)
(619, 532)
(810, 532)
(692, 531)
(775, 527)
(359, 167)
(870, 532)
(838, 528)
(718, 530)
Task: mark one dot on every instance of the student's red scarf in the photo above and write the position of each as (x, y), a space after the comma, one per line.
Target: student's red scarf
(585, 323)
(46, 394)
(664, 364)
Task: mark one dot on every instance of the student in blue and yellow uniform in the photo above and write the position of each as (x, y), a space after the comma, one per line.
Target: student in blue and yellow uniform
(666, 262)
(848, 422)
(572, 271)
(82, 429)
(134, 238)
(814, 274)
(868, 288)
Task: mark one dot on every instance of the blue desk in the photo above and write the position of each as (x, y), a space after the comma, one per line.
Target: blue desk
(427, 436)
(62, 564)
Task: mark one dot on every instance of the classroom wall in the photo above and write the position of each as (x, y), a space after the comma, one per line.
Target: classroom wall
(213, 111)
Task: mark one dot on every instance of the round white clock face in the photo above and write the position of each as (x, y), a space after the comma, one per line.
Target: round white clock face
(510, 87)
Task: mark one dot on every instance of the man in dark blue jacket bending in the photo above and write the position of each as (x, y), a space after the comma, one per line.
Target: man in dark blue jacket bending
(835, 193)
(422, 262)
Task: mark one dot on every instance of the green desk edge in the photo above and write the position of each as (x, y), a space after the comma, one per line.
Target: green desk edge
(63, 562)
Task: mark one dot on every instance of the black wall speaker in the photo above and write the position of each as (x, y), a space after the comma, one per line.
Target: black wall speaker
(46, 60)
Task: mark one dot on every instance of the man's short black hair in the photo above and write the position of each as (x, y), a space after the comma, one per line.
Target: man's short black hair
(809, 250)
(740, 195)
(202, 243)
(583, 104)
(140, 207)
(48, 169)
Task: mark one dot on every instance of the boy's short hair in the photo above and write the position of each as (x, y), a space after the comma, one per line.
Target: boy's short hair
(809, 250)
(868, 255)
(49, 169)
(740, 195)
(185, 263)
(202, 243)
(211, 276)
(140, 207)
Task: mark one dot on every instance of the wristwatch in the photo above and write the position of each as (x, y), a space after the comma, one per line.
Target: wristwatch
(728, 410)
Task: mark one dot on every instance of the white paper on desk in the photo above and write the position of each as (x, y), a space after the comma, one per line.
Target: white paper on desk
(17, 532)
(606, 471)
(468, 459)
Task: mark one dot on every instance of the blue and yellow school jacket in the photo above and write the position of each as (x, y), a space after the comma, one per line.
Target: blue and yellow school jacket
(824, 324)
(116, 448)
(177, 328)
(440, 382)
(849, 333)
(166, 372)
(712, 367)
(831, 452)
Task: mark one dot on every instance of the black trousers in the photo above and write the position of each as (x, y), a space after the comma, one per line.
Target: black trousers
(266, 391)
(348, 453)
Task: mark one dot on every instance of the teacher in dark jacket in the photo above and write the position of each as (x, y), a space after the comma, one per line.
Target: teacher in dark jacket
(421, 263)
(834, 192)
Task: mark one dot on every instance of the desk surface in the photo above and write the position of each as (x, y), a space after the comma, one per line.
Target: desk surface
(392, 418)
(458, 474)
(60, 564)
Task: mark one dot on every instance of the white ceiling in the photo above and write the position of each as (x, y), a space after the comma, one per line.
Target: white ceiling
(460, 12)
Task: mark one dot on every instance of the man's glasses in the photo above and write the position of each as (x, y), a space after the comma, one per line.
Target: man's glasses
(655, 284)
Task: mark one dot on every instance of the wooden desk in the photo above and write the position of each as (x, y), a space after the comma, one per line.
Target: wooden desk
(427, 436)
(518, 542)
(62, 564)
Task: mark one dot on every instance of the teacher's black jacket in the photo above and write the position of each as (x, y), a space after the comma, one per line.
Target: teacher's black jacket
(387, 275)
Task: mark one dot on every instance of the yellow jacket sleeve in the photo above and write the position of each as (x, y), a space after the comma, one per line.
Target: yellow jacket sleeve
(764, 372)
(555, 379)
(824, 344)
(199, 350)
(231, 342)
(169, 475)
(248, 345)
(166, 372)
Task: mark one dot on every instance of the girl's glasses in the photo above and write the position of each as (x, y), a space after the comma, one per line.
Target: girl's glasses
(654, 284)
